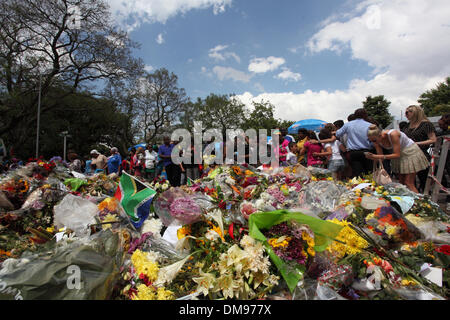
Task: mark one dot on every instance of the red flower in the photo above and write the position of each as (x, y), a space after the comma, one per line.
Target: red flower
(222, 204)
(231, 230)
(445, 249)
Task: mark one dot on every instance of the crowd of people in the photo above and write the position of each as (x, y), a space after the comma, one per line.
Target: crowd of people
(348, 149)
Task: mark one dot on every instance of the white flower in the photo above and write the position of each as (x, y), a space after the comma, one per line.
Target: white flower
(168, 273)
(165, 186)
(154, 256)
(260, 204)
(152, 225)
(205, 282)
(230, 180)
(247, 242)
(212, 235)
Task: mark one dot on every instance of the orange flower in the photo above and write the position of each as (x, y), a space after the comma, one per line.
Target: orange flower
(110, 204)
(236, 190)
(5, 253)
(237, 170)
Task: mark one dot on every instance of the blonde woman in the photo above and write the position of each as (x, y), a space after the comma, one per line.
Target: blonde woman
(406, 159)
(423, 133)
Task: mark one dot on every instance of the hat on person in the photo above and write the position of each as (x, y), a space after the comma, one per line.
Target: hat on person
(94, 152)
(114, 149)
(290, 138)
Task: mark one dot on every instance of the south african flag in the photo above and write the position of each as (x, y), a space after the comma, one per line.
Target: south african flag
(135, 198)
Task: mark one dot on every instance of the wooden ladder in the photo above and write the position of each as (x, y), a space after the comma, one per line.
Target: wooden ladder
(440, 154)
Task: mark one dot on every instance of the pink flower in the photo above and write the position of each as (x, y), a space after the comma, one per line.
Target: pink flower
(247, 209)
(186, 210)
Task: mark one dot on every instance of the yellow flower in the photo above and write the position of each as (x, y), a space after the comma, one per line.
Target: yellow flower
(144, 265)
(279, 242)
(50, 229)
(330, 179)
(309, 240)
(144, 293)
(407, 282)
(311, 251)
(109, 218)
(183, 232)
(163, 294)
(150, 293)
(352, 242)
(391, 230)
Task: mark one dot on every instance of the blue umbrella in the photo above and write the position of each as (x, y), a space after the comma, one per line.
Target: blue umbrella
(142, 145)
(308, 124)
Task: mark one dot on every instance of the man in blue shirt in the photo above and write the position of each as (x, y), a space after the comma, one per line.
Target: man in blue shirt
(358, 143)
(165, 154)
(114, 161)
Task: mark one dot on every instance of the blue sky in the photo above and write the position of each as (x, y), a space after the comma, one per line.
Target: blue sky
(311, 59)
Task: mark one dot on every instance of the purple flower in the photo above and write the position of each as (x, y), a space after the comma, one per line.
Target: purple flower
(138, 241)
(186, 210)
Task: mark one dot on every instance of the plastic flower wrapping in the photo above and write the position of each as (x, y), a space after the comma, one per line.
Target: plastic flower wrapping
(236, 233)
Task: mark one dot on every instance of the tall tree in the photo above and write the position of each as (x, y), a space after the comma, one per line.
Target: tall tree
(436, 101)
(285, 124)
(378, 108)
(48, 44)
(261, 117)
(221, 112)
(158, 103)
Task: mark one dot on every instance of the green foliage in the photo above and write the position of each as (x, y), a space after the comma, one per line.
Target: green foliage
(378, 108)
(261, 117)
(436, 101)
(89, 121)
(220, 112)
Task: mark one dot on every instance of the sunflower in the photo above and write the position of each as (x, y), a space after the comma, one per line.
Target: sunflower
(24, 186)
(237, 171)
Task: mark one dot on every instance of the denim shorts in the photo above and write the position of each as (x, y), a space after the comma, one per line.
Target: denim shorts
(336, 165)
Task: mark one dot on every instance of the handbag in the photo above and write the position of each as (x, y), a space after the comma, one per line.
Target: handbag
(380, 175)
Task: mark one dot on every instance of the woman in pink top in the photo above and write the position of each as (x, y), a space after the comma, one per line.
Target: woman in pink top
(310, 149)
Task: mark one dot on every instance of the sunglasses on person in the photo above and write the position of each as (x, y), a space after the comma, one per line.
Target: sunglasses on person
(407, 111)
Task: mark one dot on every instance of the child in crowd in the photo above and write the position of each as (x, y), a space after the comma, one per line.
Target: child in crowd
(310, 149)
(332, 150)
(291, 157)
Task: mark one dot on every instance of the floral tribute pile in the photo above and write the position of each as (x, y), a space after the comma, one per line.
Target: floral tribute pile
(290, 233)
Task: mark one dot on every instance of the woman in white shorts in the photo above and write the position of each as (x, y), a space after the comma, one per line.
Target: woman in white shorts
(406, 159)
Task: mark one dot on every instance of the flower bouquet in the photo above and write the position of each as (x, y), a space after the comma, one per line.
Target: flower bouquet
(307, 234)
(160, 184)
(391, 226)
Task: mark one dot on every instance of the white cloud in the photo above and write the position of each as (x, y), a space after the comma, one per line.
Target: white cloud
(131, 14)
(404, 37)
(331, 106)
(160, 39)
(406, 42)
(224, 73)
(288, 75)
(217, 53)
(262, 65)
